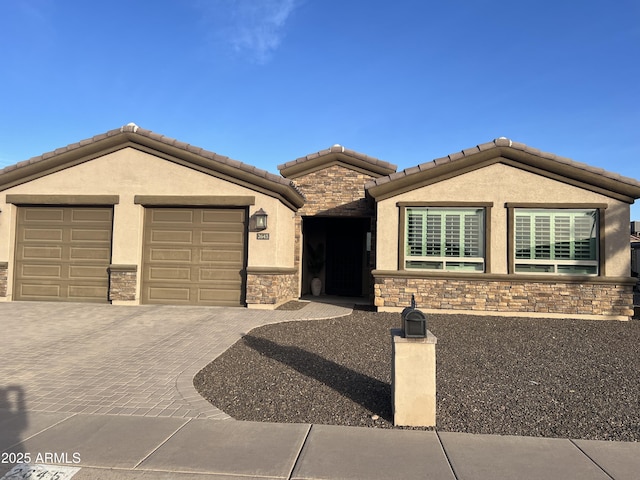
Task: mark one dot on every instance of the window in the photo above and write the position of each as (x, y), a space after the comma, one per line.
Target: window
(556, 241)
(444, 239)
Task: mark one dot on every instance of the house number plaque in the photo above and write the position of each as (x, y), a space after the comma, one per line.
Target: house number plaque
(262, 236)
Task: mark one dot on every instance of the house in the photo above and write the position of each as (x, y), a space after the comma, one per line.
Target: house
(635, 249)
(131, 217)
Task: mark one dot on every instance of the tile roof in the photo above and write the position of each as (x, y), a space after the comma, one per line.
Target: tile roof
(503, 144)
(343, 153)
(134, 132)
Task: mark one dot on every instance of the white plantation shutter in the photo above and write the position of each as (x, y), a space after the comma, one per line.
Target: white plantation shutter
(433, 235)
(415, 234)
(444, 238)
(556, 241)
(473, 235)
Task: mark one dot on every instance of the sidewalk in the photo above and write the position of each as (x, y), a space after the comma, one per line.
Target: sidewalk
(131, 448)
(111, 389)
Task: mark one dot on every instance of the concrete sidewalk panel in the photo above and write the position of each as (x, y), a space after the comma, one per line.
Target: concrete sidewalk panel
(366, 453)
(621, 460)
(117, 474)
(101, 440)
(16, 426)
(479, 457)
(231, 447)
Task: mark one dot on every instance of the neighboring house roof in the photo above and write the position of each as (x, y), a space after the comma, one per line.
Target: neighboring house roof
(337, 154)
(168, 148)
(635, 239)
(503, 150)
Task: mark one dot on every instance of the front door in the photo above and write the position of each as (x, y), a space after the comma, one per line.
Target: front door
(345, 256)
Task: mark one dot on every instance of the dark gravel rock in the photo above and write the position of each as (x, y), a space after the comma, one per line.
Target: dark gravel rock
(495, 375)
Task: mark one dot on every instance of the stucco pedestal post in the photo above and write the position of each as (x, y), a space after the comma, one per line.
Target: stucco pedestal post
(413, 380)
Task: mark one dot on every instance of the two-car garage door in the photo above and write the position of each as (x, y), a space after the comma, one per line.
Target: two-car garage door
(193, 256)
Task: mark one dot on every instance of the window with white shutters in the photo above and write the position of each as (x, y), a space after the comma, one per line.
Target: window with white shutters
(444, 239)
(556, 241)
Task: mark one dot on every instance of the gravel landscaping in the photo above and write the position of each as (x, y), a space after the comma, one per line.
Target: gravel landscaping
(496, 375)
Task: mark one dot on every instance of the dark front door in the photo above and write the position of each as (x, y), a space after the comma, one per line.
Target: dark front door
(344, 259)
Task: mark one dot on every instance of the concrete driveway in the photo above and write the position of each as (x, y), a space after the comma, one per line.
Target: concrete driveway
(121, 360)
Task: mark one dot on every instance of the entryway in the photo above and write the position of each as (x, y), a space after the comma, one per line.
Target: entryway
(344, 246)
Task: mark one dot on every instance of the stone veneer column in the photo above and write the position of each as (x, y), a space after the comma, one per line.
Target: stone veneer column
(4, 278)
(123, 280)
(270, 288)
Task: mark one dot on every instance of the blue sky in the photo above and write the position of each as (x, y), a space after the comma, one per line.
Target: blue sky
(268, 81)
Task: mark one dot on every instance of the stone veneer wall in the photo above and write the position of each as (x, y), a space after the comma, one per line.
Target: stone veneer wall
(122, 282)
(4, 278)
(335, 191)
(271, 288)
(607, 299)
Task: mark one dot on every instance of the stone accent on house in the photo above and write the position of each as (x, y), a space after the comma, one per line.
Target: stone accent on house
(607, 299)
(122, 282)
(335, 191)
(271, 287)
(4, 278)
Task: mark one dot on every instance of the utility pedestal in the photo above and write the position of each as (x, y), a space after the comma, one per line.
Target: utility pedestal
(413, 379)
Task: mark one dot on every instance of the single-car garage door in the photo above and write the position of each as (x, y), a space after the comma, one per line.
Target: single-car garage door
(63, 253)
(194, 256)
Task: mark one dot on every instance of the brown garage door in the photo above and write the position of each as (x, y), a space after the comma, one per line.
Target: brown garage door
(194, 256)
(63, 253)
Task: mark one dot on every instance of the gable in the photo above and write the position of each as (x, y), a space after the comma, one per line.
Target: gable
(169, 151)
(519, 156)
(336, 155)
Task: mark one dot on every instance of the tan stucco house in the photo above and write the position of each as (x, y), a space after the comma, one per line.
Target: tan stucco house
(133, 217)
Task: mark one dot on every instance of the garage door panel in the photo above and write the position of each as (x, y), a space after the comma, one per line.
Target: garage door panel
(172, 236)
(89, 215)
(222, 256)
(42, 271)
(90, 235)
(42, 234)
(191, 251)
(169, 294)
(49, 215)
(41, 253)
(229, 296)
(169, 273)
(83, 293)
(63, 253)
(170, 255)
(89, 253)
(222, 238)
(231, 217)
(219, 274)
(85, 272)
(171, 216)
(37, 291)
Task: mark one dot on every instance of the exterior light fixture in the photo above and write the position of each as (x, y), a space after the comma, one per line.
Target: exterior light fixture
(260, 218)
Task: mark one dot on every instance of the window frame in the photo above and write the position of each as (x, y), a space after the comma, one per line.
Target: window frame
(402, 233)
(556, 208)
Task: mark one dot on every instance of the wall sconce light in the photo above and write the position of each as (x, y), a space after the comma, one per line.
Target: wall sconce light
(260, 220)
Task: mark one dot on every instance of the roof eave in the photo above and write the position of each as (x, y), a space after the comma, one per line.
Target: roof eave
(348, 158)
(170, 149)
(548, 165)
